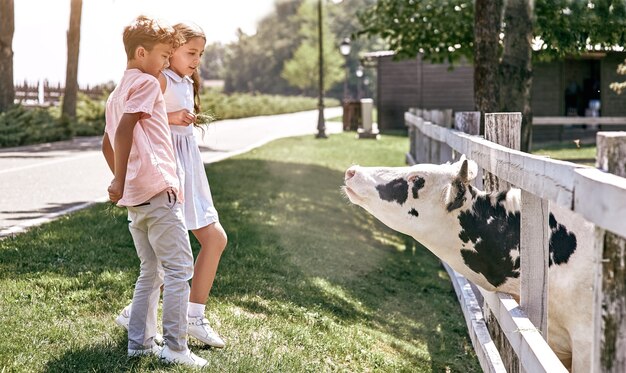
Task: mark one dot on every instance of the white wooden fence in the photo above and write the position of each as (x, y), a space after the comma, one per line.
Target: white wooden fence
(597, 196)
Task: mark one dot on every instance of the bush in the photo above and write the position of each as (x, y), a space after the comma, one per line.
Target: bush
(90, 116)
(22, 126)
(243, 105)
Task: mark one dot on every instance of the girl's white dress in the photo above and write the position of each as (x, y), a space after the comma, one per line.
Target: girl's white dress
(198, 207)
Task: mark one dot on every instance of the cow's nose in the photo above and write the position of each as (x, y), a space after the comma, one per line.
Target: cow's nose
(350, 172)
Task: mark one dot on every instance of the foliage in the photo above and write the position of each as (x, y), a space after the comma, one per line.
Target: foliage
(22, 126)
(302, 70)
(568, 27)
(443, 30)
(90, 119)
(255, 63)
(212, 64)
(619, 87)
(308, 282)
(242, 105)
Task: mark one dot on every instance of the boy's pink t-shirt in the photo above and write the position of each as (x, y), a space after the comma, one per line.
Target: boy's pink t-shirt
(151, 163)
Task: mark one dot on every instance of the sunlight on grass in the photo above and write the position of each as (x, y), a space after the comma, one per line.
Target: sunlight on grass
(308, 282)
(337, 292)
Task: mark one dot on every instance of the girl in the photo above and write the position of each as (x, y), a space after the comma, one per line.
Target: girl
(180, 84)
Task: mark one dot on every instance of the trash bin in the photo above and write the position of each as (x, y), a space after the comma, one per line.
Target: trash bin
(351, 115)
(368, 129)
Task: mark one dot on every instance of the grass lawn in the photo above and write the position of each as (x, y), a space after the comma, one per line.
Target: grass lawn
(568, 151)
(308, 282)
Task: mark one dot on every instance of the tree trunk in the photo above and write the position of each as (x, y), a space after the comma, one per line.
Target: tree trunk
(486, 47)
(7, 26)
(71, 75)
(516, 70)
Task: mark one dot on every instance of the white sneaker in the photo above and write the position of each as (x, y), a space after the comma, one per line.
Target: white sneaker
(199, 328)
(124, 318)
(185, 358)
(154, 350)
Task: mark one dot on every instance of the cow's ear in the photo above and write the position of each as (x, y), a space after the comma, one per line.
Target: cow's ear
(467, 170)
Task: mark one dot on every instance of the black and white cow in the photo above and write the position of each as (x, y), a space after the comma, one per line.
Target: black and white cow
(478, 235)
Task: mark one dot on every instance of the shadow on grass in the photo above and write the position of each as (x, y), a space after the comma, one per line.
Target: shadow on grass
(104, 357)
(293, 239)
(315, 249)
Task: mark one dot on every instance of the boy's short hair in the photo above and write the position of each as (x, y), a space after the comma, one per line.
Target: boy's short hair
(147, 32)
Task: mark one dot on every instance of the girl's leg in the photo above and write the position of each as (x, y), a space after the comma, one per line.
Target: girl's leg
(212, 240)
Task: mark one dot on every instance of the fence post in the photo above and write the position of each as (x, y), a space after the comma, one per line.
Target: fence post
(469, 122)
(505, 129)
(420, 139)
(426, 141)
(610, 291)
(445, 151)
(435, 146)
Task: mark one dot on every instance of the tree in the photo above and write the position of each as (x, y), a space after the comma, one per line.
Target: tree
(486, 55)
(516, 71)
(256, 62)
(71, 76)
(302, 70)
(7, 26)
(444, 31)
(212, 65)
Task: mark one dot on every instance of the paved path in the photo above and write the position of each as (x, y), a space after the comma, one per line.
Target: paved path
(41, 182)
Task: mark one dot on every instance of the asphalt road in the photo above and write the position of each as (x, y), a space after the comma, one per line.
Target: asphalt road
(39, 183)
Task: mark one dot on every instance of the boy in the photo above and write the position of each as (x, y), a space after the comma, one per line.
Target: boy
(137, 147)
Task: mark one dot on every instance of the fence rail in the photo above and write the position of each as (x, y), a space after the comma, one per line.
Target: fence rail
(597, 196)
(45, 94)
(550, 121)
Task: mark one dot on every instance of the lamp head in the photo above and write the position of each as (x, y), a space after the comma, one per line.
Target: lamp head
(344, 47)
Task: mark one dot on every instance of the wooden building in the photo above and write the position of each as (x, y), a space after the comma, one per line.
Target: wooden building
(569, 87)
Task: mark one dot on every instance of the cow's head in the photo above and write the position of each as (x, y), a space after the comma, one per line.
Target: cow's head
(417, 200)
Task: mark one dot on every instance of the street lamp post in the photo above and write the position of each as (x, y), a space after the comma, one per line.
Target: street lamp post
(344, 48)
(359, 75)
(321, 123)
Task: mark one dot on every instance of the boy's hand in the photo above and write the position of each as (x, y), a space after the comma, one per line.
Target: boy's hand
(181, 117)
(116, 190)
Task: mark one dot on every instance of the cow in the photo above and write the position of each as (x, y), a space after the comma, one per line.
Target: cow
(478, 235)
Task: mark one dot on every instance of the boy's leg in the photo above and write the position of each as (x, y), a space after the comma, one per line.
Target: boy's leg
(143, 317)
(170, 240)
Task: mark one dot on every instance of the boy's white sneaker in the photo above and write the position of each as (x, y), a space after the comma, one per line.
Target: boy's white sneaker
(154, 350)
(184, 357)
(199, 328)
(124, 318)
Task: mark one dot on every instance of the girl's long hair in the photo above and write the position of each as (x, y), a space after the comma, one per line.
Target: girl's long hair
(190, 31)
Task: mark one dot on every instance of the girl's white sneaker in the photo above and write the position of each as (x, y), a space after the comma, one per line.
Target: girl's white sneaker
(199, 328)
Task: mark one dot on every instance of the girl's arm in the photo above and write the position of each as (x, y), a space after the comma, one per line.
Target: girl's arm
(181, 117)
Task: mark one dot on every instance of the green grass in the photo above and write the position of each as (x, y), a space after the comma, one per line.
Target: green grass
(308, 282)
(568, 151)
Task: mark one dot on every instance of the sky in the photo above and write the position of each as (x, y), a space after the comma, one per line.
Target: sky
(40, 45)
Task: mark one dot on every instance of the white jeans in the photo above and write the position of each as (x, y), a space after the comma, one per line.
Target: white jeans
(163, 247)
